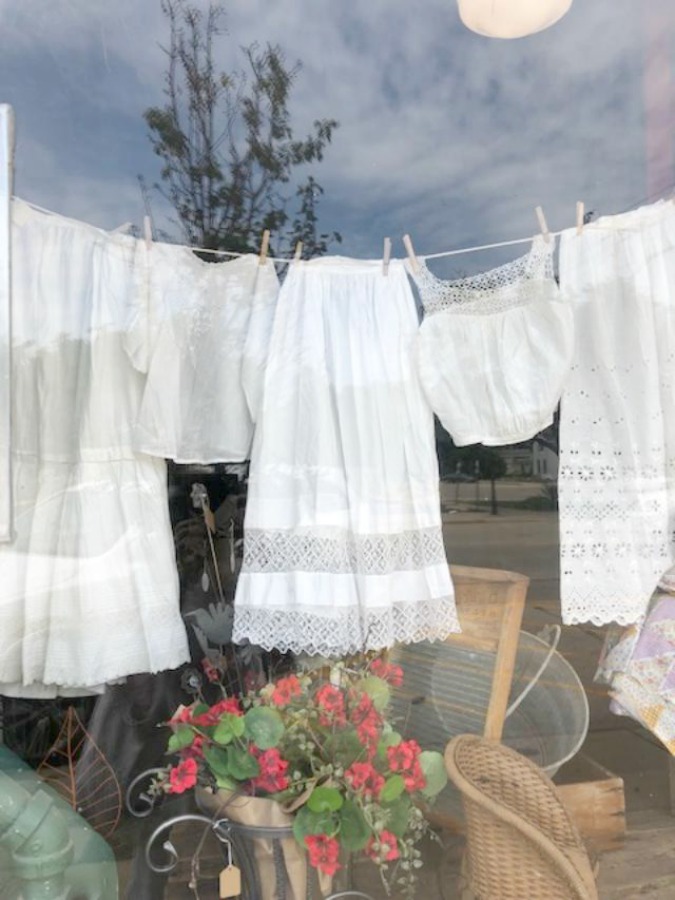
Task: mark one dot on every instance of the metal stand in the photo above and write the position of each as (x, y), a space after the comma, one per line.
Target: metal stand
(236, 840)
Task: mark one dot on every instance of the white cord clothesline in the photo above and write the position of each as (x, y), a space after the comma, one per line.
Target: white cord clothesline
(284, 260)
(446, 253)
(527, 240)
(495, 246)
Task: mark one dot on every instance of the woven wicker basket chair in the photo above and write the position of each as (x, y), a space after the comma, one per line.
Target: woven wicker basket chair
(520, 841)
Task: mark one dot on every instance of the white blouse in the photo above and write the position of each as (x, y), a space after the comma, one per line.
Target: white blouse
(201, 333)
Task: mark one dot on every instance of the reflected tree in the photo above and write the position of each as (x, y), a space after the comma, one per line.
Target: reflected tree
(231, 164)
(475, 461)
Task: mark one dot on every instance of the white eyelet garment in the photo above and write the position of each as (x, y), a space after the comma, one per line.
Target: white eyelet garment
(343, 548)
(89, 584)
(617, 428)
(494, 349)
(201, 334)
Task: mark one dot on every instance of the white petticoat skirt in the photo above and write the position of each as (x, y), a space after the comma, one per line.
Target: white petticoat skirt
(343, 547)
(617, 428)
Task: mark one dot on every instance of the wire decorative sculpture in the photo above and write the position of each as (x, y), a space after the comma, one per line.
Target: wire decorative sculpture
(77, 770)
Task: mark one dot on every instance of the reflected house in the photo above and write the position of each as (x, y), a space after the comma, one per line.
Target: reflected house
(537, 457)
(533, 458)
(544, 461)
(518, 459)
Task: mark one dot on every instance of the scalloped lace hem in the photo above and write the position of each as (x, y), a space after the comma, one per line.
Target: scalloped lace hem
(599, 614)
(355, 631)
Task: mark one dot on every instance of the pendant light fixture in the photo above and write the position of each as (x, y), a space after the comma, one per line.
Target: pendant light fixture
(511, 18)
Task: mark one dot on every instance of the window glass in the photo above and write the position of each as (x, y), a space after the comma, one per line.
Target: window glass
(178, 426)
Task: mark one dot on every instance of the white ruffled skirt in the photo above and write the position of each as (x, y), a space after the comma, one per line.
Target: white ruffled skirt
(89, 585)
(343, 547)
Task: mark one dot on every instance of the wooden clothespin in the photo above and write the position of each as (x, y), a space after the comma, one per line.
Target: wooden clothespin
(542, 224)
(386, 256)
(580, 216)
(410, 250)
(264, 247)
(298, 252)
(147, 231)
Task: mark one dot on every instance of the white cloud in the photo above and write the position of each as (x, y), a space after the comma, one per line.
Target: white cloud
(443, 133)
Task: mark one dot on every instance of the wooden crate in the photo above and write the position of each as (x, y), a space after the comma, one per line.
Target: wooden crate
(594, 798)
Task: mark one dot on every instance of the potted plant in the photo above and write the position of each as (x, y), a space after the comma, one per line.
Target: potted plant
(316, 751)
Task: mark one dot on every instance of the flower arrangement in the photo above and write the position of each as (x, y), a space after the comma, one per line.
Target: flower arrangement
(325, 749)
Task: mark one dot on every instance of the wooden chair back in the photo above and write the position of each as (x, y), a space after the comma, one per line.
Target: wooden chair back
(490, 604)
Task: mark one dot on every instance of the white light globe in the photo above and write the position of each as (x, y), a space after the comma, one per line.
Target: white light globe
(511, 18)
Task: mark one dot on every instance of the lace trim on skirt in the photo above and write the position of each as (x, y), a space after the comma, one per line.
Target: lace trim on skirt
(355, 632)
(363, 554)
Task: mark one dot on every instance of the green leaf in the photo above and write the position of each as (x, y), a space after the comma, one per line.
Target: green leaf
(390, 737)
(354, 830)
(229, 727)
(182, 737)
(393, 788)
(344, 747)
(306, 821)
(433, 768)
(241, 764)
(237, 725)
(378, 691)
(217, 760)
(325, 799)
(398, 814)
(264, 726)
(226, 783)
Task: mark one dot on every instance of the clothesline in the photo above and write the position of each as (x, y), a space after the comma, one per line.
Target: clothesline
(287, 260)
(446, 253)
(527, 240)
(494, 246)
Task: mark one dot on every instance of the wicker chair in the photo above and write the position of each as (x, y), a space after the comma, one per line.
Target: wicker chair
(521, 844)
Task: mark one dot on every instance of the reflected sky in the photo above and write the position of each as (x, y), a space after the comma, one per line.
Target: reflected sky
(445, 134)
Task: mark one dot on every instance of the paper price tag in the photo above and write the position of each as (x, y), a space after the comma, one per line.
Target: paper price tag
(230, 882)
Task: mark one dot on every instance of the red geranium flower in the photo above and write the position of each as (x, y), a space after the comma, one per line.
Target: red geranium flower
(183, 776)
(331, 701)
(383, 848)
(196, 748)
(285, 689)
(415, 780)
(273, 768)
(388, 671)
(212, 715)
(368, 723)
(364, 778)
(182, 716)
(405, 758)
(323, 853)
